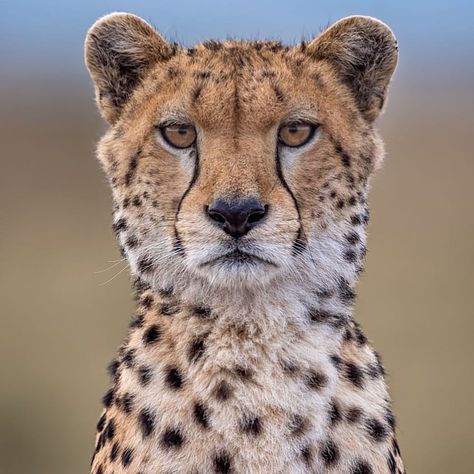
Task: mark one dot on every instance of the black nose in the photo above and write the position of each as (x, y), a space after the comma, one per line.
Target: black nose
(236, 218)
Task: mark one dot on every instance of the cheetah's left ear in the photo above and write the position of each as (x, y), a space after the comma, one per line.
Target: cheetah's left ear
(364, 52)
(120, 49)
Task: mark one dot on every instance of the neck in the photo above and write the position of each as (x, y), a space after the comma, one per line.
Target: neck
(243, 332)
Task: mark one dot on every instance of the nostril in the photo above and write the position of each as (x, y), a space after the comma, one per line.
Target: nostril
(257, 215)
(216, 216)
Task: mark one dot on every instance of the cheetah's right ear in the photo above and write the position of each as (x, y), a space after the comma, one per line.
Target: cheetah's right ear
(120, 48)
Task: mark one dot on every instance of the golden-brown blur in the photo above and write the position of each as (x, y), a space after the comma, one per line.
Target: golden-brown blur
(65, 298)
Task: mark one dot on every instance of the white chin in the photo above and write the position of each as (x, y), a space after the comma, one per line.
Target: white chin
(250, 272)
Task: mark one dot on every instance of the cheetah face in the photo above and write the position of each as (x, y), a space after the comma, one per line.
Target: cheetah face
(239, 162)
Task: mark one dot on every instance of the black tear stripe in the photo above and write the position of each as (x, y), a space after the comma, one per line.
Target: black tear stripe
(132, 167)
(300, 241)
(178, 243)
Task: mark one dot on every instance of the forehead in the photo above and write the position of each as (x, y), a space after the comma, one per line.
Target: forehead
(249, 83)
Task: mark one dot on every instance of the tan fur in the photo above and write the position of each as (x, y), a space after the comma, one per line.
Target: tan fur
(253, 366)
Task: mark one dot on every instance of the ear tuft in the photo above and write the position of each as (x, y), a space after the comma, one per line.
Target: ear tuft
(120, 49)
(364, 52)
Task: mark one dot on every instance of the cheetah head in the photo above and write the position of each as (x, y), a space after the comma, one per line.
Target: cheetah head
(241, 163)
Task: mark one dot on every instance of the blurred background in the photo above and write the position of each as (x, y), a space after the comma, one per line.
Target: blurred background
(63, 314)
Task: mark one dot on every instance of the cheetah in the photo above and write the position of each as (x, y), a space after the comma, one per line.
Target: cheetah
(239, 173)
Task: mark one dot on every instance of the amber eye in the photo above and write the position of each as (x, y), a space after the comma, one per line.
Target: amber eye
(179, 135)
(296, 134)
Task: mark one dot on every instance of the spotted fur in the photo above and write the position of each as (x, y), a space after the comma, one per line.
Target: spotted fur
(248, 364)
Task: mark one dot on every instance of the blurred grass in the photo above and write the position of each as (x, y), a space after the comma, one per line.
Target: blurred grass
(60, 326)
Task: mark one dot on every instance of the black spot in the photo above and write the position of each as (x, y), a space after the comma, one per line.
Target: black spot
(251, 425)
(330, 453)
(366, 216)
(379, 363)
(334, 412)
(320, 316)
(222, 463)
(129, 358)
(114, 369)
(361, 467)
(168, 309)
(152, 334)
(109, 431)
(336, 360)
(197, 92)
(243, 372)
(127, 457)
(373, 371)
(377, 431)
(136, 201)
(201, 415)
(352, 200)
(223, 391)
(354, 374)
(146, 422)
(355, 220)
(172, 438)
(352, 238)
(345, 159)
(340, 204)
(147, 302)
(290, 367)
(101, 422)
(396, 447)
(114, 452)
(119, 225)
(173, 378)
(132, 168)
(101, 442)
(125, 403)
(348, 335)
(196, 350)
(316, 380)
(137, 321)
(298, 425)
(359, 335)
(278, 93)
(145, 264)
(202, 74)
(392, 465)
(144, 374)
(307, 454)
(350, 256)
(166, 292)
(345, 291)
(100, 470)
(390, 418)
(202, 311)
(108, 398)
(353, 415)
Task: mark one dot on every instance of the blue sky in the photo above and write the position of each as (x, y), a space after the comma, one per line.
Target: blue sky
(48, 31)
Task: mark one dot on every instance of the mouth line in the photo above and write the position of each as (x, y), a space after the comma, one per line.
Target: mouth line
(239, 257)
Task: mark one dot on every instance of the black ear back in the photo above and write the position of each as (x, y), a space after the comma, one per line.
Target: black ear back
(364, 52)
(120, 49)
